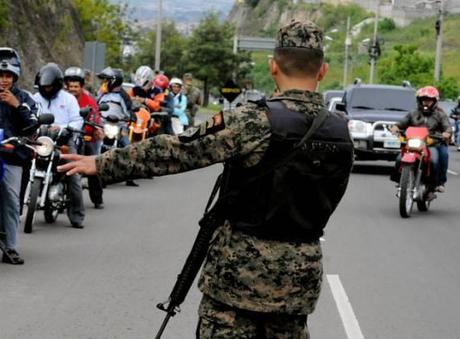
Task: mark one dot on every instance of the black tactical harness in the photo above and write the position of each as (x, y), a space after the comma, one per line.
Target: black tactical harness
(291, 193)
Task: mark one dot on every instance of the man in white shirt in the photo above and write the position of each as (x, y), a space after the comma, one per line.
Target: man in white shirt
(64, 106)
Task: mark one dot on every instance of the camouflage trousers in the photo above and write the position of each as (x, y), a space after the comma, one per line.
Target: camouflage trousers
(220, 321)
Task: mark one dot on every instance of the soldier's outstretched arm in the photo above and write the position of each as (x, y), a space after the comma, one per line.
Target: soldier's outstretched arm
(223, 136)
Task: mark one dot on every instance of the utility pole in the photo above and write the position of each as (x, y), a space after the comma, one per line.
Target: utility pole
(373, 54)
(439, 28)
(347, 46)
(158, 36)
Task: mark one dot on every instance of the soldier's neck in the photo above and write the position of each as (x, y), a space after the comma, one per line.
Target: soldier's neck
(298, 83)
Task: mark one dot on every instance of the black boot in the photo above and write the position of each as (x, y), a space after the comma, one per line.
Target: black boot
(11, 256)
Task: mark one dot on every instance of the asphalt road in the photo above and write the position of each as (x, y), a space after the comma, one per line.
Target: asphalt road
(385, 277)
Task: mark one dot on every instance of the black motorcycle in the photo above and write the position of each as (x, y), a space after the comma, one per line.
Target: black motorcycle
(47, 189)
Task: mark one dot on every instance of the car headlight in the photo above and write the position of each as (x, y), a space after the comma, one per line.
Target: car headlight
(359, 127)
(46, 147)
(111, 131)
(415, 143)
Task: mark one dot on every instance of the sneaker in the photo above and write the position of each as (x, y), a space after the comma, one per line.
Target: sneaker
(441, 189)
(131, 183)
(458, 148)
(99, 206)
(77, 225)
(11, 256)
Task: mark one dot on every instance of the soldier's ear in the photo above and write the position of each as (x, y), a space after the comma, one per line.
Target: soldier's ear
(273, 66)
(322, 72)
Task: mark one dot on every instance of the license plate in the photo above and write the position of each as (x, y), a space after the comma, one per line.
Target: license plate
(391, 144)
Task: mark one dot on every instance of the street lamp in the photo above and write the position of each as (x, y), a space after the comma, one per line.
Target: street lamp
(439, 28)
(158, 36)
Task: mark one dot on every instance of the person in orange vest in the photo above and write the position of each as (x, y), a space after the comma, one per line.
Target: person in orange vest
(151, 91)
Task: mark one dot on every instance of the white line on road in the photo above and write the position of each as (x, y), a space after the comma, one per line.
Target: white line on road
(345, 310)
(452, 172)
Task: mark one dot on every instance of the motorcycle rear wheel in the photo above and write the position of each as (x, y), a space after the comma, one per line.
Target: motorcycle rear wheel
(32, 206)
(406, 200)
(423, 205)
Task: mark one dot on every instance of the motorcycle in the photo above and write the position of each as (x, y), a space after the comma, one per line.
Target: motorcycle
(9, 145)
(47, 188)
(417, 183)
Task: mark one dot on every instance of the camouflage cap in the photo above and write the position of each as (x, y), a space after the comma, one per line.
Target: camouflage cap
(300, 35)
(187, 76)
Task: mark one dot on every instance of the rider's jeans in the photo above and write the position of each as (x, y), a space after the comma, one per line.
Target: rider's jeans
(10, 188)
(76, 210)
(443, 152)
(457, 132)
(435, 163)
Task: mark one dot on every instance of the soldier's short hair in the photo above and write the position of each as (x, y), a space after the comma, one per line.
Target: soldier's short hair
(299, 48)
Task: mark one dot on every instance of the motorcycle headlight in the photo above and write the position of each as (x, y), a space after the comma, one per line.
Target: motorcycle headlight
(415, 143)
(359, 127)
(46, 147)
(111, 131)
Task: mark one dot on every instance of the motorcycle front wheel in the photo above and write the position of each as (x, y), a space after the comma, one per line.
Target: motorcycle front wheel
(406, 198)
(32, 206)
(50, 213)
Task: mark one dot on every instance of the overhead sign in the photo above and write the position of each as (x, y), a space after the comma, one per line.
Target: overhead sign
(254, 44)
(230, 90)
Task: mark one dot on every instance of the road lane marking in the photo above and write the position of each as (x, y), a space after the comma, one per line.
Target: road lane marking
(345, 310)
(452, 172)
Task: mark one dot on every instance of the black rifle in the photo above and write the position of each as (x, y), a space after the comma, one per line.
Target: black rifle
(208, 224)
(212, 219)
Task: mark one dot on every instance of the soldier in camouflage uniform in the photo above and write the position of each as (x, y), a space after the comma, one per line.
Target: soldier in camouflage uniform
(193, 95)
(254, 284)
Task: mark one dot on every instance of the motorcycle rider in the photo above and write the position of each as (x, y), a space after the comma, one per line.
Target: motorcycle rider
(193, 98)
(17, 111)
(428, 114)
(179, 119)
(112, 93)
(64, 106)
(455, 114)
(74, 78)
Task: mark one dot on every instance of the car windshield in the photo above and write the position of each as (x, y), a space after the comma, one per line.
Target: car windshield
(383, 99)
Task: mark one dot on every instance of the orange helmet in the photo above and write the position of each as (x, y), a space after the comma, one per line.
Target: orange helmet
(430, 93)
(161, 81)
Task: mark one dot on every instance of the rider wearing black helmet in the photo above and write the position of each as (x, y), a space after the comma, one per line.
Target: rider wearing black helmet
(64, 106)
(112, 93)
(17, 111)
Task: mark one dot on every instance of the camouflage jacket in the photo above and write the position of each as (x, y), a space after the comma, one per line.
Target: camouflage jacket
(240, 270)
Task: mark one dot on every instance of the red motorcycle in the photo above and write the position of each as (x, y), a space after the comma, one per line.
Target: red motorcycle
(417, 183)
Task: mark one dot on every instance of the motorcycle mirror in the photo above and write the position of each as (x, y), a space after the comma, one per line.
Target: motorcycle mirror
(84, 112)
(113, 118)
(46, 119)
(43, 119)
(104, 107)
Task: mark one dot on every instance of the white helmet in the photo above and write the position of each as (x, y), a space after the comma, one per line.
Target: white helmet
(144, 75)
(176, 81)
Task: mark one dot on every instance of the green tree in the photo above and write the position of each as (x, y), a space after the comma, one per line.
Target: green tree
(209, 54)
(408, 64)
(173, 45)
(103, 21)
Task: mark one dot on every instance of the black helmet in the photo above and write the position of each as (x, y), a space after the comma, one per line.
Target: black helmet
(74, 74)
(50, 75)
(114, 77)
(10, 62)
